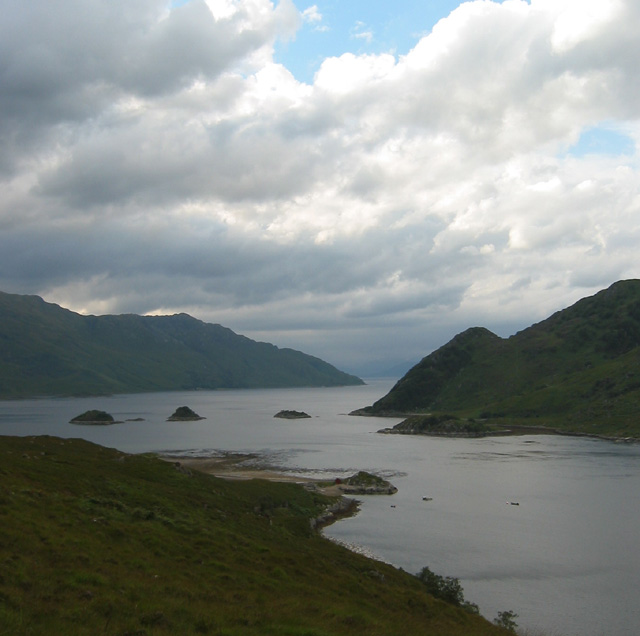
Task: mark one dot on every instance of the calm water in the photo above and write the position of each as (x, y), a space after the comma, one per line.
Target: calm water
(566, 559)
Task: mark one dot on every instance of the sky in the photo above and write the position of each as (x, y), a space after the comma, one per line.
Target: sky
(357, 180)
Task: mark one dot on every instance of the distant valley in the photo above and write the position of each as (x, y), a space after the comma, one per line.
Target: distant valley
(577, 371)
(50, 351)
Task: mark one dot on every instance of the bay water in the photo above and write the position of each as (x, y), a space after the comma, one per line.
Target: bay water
(566, 558)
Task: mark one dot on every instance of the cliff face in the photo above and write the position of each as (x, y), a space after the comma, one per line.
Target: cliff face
(579, 370)
(48, 350)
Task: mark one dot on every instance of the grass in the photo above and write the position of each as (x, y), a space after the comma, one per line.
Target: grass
(95, 541)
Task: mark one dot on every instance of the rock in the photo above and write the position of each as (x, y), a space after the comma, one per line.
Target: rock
(364, 483)
(342, 508)
(184, 414)
(93, 417)
(292, 415)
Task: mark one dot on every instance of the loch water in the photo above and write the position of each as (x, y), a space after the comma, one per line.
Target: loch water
(566, 559)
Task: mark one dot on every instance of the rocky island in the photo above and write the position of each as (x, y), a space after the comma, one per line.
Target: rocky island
(364, 483)
(292, 415)
(93, 417)
(184, 414)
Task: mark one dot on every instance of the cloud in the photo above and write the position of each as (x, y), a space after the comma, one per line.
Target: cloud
(361, 32)
(311, 14)
(156, 159)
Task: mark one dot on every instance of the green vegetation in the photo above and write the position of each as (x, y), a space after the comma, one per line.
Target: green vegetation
(447, 588)
(578, 371)
(444, 424)
(47, 350)
(95, 541)
(507, 620)
(365, 479)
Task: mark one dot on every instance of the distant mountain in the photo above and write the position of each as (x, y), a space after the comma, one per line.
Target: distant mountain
(579, 371)
(48, 350)
(382, 368)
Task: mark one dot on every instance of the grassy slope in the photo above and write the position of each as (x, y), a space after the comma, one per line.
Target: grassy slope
(94, 541)
(48, 350)
(578, 370)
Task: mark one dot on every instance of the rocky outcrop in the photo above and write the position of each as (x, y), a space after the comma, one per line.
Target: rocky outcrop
(363, 483)
(344, 507)
(184, 414)
(292, 415)
(93, 417)
(441, 426)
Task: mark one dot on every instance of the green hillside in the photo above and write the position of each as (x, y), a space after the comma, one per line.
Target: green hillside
(578, 371)
(48, 350)
(95, 541)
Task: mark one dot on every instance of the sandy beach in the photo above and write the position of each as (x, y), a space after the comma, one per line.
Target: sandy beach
(239, 466)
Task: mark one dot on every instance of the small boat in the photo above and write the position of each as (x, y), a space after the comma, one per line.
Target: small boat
(427, 499)
(514, 503)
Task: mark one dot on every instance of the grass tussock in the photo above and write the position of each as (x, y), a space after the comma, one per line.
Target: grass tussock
(94, 541)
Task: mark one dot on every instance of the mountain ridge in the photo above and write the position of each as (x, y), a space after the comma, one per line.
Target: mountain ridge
(578, 370)
(50, 350)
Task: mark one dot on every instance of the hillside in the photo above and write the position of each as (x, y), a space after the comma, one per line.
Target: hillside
(48, 350)
(95, 541)
(578, 371)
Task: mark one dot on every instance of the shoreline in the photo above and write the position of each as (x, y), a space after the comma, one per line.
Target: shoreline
(230, 465)
(519, 430)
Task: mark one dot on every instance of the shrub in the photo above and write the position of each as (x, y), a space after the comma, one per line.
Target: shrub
(506, 620)
(446, 588)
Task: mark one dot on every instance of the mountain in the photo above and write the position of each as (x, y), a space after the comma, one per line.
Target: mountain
(382, 368)
(578, 370)
(48, 350)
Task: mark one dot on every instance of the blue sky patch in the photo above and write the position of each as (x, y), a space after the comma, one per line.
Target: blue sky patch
(600, 140)
(334, 27)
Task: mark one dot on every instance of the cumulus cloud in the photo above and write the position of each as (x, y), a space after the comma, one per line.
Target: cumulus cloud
(157, 159)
